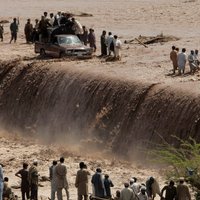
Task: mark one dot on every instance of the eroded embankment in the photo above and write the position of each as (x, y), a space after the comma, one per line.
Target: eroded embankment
(82, 106)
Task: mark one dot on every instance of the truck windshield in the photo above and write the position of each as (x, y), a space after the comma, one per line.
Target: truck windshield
(69, 40)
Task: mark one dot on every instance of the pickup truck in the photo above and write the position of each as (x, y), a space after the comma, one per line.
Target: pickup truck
(63, 45)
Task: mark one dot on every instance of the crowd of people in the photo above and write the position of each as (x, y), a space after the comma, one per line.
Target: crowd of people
(179, 60)
(101, 186)
(39, 32)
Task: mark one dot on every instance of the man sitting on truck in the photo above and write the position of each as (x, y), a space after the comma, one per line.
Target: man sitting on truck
(43, 33)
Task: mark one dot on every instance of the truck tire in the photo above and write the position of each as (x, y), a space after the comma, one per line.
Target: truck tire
(61, 55)
(42, 52)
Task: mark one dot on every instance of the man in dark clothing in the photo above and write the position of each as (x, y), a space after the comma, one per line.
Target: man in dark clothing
(98, 184)
(103, 44)
(108, 184)
(14, 30)
(28, 31)
(1, 32)
(149, 183)
(170, 193)
(84, 36)
(23, 174)
(52, 177)
(43, 24)
(92, 39)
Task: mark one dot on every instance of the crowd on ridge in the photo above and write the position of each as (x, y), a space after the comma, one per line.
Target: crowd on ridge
(39, 32)
(101, 186)
(179, 60)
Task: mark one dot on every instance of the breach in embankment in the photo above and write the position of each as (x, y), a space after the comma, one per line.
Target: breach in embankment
(97, 108)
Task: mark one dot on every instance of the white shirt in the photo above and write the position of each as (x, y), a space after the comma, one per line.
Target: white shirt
(135, 187)
(118, 44)
(109, 40)
(127, 194)
(182, 58)
(142, 196)
(51, 21)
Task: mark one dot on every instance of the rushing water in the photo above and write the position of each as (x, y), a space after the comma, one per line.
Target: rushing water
(118, 114)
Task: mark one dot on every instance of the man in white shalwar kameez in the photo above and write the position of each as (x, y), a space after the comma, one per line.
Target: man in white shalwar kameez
(182, 59)
(117, 47)
(1, 182)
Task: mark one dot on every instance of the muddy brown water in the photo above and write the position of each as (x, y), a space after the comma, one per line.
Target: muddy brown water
(116, 113)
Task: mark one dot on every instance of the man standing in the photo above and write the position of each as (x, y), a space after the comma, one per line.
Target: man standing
(84, 36)
(173, 57)
(134, 185)
(183, 191)
(92, 39)
(33, 177)
(1, 182)
(196, 58)
(14, 30)
(143, 195)
(127, 193)
(191, 60)
(28, 31)
(103, 44)
(170, 193)
(1, 32)
(82, 181)
(23, 174)
(108, 184)
(97, 181)
(182, 58)
(117, 47)
(7, 191)
(52, 177)
(110, 43)
(61, 179)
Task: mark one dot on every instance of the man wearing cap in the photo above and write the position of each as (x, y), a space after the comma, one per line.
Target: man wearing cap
(61, 179)
(82, 181)
(33, 177)
(183, 191)
(1, 182)
(143, 195)
(127, 193)
(97, 181)
(134, 185)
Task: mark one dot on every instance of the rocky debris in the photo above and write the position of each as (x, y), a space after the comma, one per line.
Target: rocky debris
(4, 21)
(145, 40)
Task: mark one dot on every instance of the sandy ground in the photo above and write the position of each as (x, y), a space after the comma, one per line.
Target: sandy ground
(128, 19)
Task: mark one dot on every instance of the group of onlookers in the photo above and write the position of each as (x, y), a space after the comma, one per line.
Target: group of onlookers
(101, 186)
(179, 60)
(39, 32)
(110, 44)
